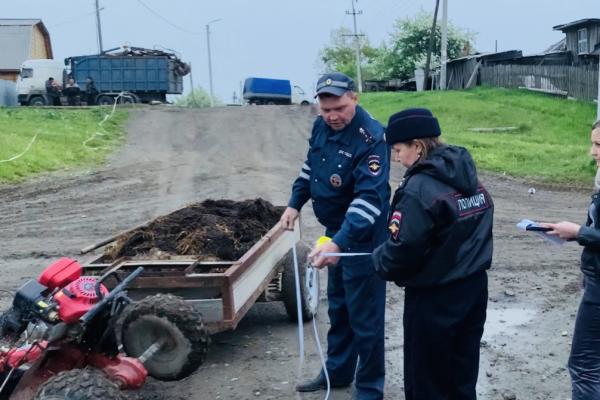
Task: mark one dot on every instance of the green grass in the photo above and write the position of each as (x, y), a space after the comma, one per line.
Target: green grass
(60, 139)
(551, 143)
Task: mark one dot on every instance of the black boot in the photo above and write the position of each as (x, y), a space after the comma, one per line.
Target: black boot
(318, 383)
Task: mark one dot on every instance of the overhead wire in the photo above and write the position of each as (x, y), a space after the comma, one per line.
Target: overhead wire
(158, 15)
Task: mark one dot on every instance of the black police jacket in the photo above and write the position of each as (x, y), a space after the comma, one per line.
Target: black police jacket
(589, 237)
(441, 223)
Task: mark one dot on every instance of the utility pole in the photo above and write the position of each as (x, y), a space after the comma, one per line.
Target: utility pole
(357, 44)
(210, 80)
(99, 26)
(598, 109)
(192, 93)
(444, 45)
(431, 41)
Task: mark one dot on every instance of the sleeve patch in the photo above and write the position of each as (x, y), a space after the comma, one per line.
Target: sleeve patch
(394, 226)
(374, 164)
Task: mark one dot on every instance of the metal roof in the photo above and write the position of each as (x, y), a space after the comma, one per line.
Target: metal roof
(577, 23)
(16, 40)
(18, 21)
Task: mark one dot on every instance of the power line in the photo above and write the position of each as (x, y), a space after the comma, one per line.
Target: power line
(156, 14)
(75, 19)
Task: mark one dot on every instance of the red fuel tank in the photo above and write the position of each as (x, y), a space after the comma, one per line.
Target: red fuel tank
(60, 273)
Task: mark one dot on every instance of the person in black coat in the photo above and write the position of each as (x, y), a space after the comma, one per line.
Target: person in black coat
(439, 248)
(584, 361)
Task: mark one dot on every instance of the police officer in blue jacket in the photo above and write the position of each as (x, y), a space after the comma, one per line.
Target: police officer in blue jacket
(346, 176)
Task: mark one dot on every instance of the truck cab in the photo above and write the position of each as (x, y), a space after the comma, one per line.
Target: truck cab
(299, 96)
(31, 85)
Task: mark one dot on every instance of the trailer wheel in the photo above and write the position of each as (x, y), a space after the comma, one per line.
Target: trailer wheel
(288, 284)
(37, 101)
(271, 103)
(304, 103)
(177, 323)
(106, 100)
(79, 384)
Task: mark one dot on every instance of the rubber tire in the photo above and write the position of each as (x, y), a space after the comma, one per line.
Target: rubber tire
(37, 101)
(304, 103)
(165, 314)
(127, 99)
(105, 100)
(288, 284)
(79, 384)
(271, 103)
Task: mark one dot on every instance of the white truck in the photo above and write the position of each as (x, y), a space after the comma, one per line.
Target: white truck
(31, 85)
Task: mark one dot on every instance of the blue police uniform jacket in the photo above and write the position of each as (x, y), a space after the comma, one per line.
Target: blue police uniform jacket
(346, 176)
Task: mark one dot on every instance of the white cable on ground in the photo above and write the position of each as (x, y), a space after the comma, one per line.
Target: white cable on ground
(323, 363)
(106, 118)
(24, 151)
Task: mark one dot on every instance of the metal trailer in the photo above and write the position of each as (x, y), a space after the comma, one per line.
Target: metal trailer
(223, 291)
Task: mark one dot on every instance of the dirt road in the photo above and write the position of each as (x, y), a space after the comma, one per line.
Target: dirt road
(174, 157)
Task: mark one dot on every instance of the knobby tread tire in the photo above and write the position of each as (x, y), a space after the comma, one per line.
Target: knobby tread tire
(288, 284)
(79, 384)
(185, 318)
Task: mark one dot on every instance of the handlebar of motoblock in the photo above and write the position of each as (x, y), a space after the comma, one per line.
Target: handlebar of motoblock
(88, 316)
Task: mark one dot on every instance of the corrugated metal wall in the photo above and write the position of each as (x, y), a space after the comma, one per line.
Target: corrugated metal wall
(8, 93)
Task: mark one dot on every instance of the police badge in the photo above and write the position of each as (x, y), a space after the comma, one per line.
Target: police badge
(335, 180)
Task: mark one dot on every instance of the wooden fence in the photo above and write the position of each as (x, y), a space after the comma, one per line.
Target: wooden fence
(580, 82)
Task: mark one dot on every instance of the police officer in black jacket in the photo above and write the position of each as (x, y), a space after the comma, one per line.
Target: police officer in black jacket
(439, 248)
(346, 175)
(584, 362)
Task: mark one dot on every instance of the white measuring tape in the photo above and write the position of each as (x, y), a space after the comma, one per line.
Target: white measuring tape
(312, 287)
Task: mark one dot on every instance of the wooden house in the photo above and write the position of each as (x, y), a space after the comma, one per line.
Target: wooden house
(20, 40)
(582, 40)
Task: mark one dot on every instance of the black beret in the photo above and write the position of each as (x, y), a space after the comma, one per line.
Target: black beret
(412, 123)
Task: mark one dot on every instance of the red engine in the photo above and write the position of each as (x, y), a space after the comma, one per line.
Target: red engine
(77, 298)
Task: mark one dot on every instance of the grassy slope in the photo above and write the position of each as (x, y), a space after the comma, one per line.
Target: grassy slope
(60, 140)
(551, 144)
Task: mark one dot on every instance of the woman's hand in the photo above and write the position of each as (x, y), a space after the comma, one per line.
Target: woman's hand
(564, 230)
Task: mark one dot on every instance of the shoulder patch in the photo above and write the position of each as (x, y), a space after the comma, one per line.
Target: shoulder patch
(394, 225)
(374, 164)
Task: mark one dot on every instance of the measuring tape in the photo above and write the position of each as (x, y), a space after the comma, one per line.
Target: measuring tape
(312, 289)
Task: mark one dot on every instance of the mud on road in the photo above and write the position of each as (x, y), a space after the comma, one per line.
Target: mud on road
(174, 157)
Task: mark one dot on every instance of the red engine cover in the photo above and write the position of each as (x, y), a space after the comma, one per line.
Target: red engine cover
(61, 272)
(77, 298)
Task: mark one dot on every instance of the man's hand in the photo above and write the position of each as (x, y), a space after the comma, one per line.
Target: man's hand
(564, 230)
(287, 219)
(319, 261)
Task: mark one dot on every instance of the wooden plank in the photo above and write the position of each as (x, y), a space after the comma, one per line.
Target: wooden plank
(473, 75)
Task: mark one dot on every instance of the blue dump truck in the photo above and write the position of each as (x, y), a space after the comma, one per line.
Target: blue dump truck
(273, 91)
(130, 75)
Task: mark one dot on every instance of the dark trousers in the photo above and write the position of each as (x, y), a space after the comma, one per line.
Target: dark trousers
(356, 298)
(442, 333)
(584, 362)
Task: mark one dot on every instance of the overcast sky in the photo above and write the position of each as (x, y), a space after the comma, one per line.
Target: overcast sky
(281, 38)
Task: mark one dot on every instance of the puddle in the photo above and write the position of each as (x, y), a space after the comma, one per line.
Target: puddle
(506, 321)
